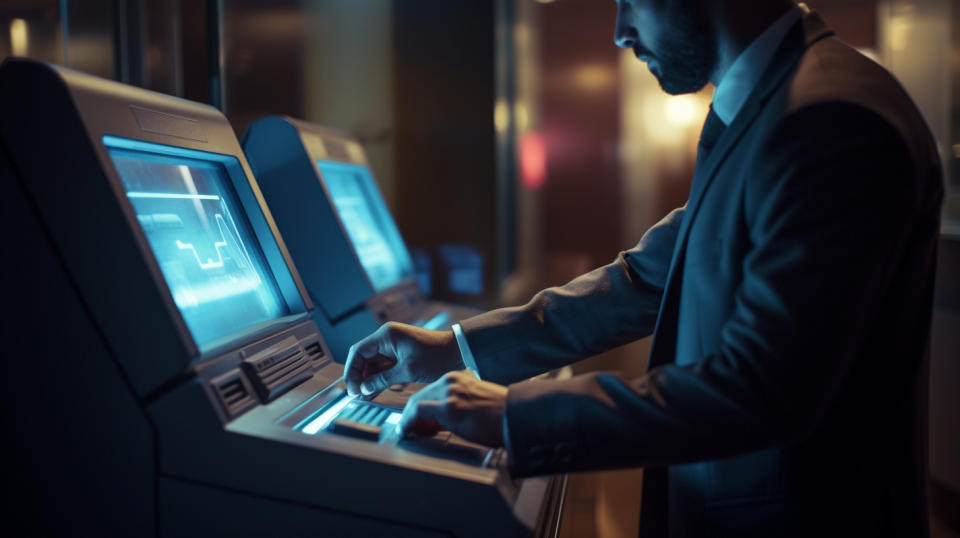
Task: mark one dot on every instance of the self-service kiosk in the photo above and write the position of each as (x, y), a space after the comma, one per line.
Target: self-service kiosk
(163, 375)
(340, 232)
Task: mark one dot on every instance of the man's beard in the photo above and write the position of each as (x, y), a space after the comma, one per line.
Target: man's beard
(687, 55)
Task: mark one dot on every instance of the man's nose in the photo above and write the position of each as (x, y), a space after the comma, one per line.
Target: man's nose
(624, 35)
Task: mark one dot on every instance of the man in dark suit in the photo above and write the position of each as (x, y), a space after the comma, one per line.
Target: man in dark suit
(789, 299)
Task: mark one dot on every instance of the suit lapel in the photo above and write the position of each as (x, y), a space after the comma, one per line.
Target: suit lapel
(806, 32)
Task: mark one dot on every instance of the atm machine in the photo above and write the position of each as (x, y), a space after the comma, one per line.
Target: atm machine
(163, 375)
(340, 232)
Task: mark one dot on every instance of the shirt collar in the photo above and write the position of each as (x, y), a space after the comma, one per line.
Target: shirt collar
(745, 72)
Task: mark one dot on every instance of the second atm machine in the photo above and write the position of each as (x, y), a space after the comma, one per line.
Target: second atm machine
(163, 375)
(340, 232)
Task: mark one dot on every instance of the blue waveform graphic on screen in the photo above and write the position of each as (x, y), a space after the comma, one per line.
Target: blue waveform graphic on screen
(217, 245)
(202, 241)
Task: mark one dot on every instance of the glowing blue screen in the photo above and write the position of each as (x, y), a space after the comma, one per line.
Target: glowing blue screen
(371, 228)
(202, 241)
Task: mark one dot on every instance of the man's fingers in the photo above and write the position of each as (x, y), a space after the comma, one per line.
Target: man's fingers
(424, 410)
(356, 368)
(419, 414)
(353, 371)
(379, 381)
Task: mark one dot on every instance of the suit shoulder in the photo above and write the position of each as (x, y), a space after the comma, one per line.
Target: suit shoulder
(830, 72)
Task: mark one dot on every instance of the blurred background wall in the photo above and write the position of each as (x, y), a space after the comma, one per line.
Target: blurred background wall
(513, 129)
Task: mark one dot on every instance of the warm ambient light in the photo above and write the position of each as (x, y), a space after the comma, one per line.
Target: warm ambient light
(901, 25)
(594, 77)
(521, 115)
(667, 123)
(681, 110)
(501, 116)
(18, 37)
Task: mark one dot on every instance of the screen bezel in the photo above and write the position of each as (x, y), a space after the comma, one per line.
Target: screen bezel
(314, 141)
(372, 184)
(284, 276)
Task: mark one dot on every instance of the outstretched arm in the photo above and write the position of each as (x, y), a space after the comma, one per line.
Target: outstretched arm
(605, 308)
(531, 339)
(829, 220)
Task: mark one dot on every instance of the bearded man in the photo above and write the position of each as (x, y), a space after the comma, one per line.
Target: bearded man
(789, 302)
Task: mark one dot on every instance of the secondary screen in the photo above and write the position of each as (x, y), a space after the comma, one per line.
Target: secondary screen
(372, 230)
(202, 240)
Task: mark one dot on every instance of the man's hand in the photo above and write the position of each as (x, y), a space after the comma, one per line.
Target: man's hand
(461, 403)
(399, 353)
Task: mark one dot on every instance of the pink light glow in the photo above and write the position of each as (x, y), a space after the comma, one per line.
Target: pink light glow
(533, 160)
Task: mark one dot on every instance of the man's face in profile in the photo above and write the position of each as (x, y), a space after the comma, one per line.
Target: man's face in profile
(673, 37)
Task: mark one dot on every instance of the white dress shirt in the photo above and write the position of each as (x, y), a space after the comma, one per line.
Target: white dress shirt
(744, 73)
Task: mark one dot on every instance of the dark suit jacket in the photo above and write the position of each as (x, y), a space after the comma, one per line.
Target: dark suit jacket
(790, 303)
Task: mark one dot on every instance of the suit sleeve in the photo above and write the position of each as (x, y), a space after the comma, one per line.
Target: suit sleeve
(828, 214)
(607, 307)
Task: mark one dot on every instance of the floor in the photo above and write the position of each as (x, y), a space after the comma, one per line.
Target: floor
(604, 504)
(607, 504)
